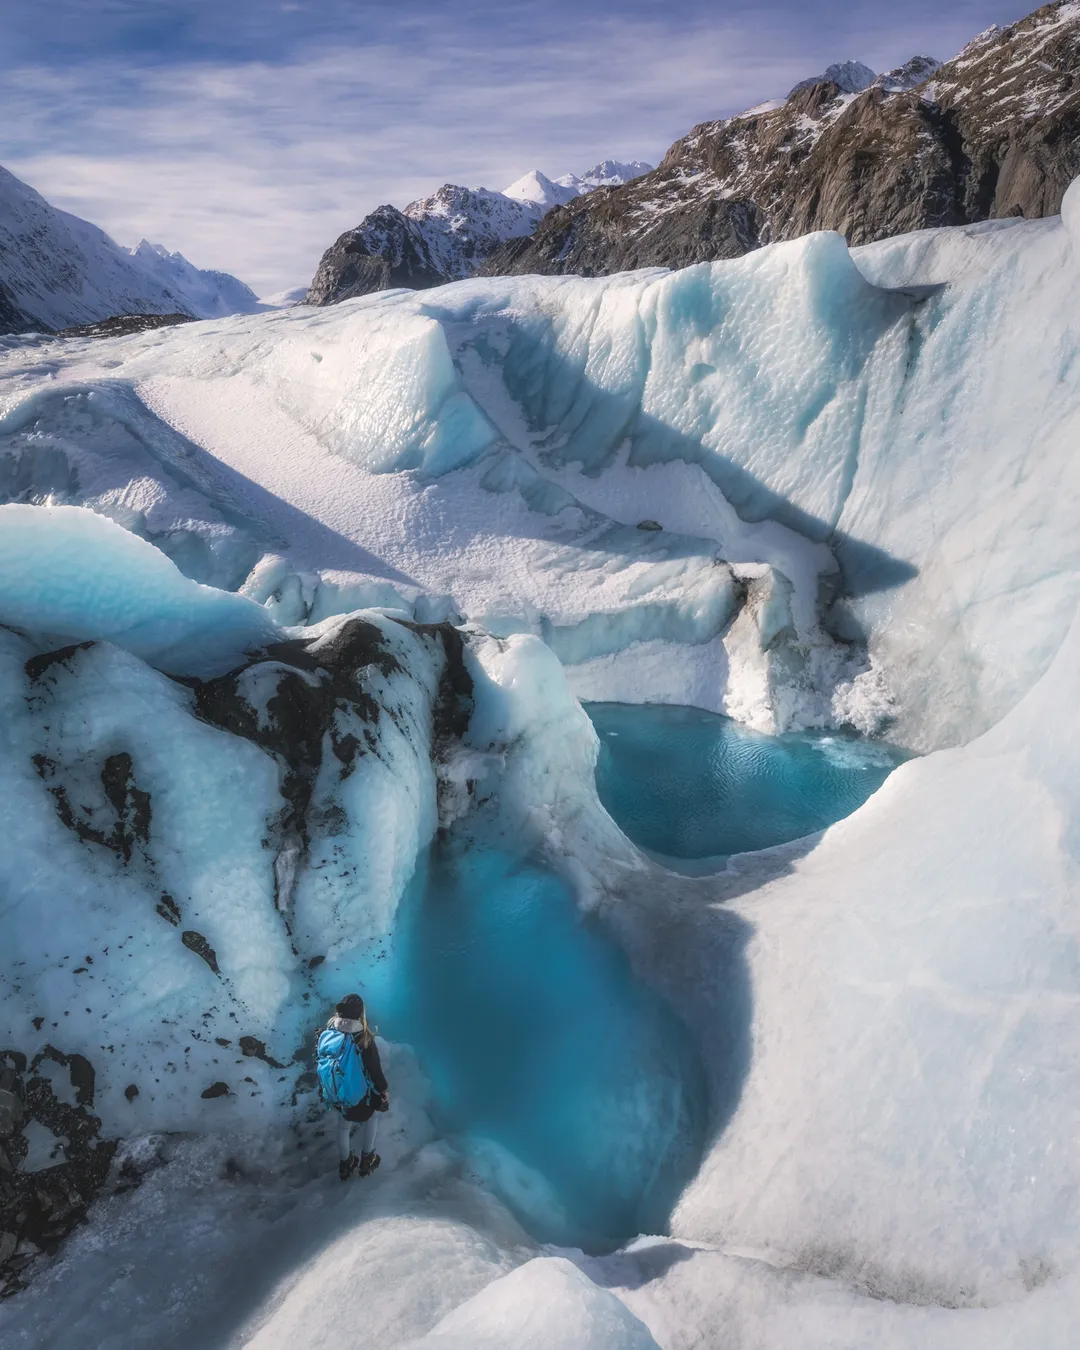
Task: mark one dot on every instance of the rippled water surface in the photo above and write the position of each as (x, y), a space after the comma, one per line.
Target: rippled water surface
(692, 784)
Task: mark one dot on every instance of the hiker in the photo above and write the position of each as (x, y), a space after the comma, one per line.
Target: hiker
(352, 1083)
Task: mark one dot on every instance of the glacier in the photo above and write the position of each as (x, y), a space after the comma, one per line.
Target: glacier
(296, 614)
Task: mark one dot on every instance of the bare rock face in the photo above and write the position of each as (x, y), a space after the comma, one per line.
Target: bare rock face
(438, 239)
(384, 251)
(447, 236)
(993, 133)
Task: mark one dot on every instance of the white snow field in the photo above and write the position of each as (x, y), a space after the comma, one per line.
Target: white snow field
(218, 800)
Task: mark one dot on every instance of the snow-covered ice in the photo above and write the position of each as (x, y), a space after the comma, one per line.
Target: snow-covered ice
(327, 584)
(498, 443)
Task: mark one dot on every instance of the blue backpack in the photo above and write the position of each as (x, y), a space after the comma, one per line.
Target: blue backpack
(343, 1080)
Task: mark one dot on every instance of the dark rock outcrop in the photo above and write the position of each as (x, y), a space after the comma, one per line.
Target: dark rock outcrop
(993, 133)
(121, 325)
(447, 236)
(384, 251)
(595, 242)
(41, 1204)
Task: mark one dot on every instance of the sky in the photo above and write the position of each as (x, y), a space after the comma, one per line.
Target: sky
(249, 134)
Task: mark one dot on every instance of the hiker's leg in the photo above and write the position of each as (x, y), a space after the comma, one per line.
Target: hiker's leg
(367, 1139)
(344, 1135)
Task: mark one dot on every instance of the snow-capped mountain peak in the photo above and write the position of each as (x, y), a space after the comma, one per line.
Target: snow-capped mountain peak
(851, 77)
(610, 173)
(57, 270)
(206, 293)
(448, 235)
(911, 73)
(540, 190)
(461, 208)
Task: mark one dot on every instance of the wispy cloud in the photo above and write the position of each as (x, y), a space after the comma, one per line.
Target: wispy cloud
(255, 165)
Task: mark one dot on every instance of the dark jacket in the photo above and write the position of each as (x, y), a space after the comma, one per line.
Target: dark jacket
(365, 1109)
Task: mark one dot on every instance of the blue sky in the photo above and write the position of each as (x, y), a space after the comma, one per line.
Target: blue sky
(250, 133)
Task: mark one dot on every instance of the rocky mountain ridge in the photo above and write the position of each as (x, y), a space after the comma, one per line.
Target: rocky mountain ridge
(994, 132)
(58, 270)
(447, 236)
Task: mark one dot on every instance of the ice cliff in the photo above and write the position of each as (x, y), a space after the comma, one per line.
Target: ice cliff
(288, 598)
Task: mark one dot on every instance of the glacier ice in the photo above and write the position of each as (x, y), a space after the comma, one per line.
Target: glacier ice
(130, 594)
(475, 441)
(219, 803)
(546, 1302)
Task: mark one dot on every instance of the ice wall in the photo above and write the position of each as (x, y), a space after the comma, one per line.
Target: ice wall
(98, 445)
(189, 858)
(70, 575)
(914, 1089)
(498, 442)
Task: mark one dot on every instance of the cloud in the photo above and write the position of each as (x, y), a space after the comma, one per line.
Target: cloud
(256, 165)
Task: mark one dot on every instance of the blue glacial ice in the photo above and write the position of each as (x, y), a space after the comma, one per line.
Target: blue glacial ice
(70, 575)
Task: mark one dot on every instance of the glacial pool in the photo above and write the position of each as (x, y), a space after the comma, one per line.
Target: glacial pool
(572, 1090)
(688, 784)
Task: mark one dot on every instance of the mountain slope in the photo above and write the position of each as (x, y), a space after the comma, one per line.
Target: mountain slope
(447, 236)
(57, 270)
(203, 292)
(993, 133)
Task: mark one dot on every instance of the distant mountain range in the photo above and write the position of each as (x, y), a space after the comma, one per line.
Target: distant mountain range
(994, 132)
(58, 271)
(449, 235)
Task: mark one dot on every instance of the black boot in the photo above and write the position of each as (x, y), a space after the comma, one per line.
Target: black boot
(348, 1167)
(368, 1163)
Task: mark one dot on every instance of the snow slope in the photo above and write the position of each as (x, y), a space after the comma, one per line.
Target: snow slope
(536, 189)
(878, 444)
(57, 271)
(204, 293)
